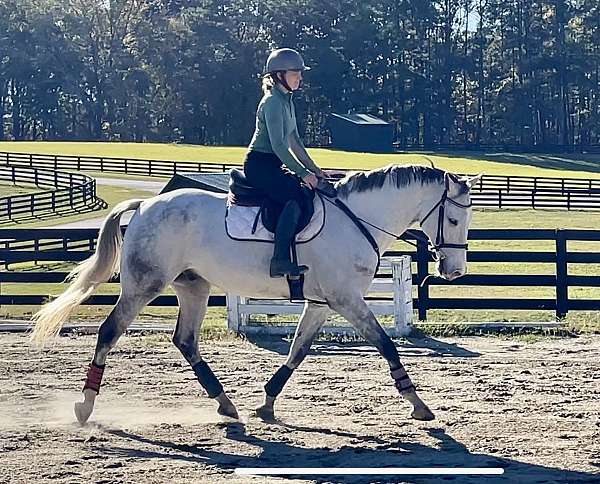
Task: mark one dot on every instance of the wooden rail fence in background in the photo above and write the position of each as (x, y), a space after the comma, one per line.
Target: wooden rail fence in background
(495, 191)
(50, 245)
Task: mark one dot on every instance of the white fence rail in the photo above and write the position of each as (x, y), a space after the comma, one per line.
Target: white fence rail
(240, 309)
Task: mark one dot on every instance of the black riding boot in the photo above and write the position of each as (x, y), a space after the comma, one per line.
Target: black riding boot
(281, 263)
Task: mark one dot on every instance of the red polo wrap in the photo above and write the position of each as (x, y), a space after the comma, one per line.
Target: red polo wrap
(94, 377)
(402, 381)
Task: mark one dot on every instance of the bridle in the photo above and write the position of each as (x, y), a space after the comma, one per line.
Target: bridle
(439, 238)
(434, 248)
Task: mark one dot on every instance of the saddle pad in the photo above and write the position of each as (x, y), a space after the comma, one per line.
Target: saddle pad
(239, 221)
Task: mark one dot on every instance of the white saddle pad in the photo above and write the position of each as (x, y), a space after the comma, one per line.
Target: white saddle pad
(239, 222)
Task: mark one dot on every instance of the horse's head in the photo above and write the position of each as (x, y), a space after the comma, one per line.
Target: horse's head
(446, 225)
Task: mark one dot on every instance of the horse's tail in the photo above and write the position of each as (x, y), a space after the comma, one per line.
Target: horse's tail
(86, 276)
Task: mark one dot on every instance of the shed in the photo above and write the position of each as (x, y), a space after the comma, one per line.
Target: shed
(213, 182)
(360, 132)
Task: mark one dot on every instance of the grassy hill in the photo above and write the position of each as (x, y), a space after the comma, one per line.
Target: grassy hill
(576, 166)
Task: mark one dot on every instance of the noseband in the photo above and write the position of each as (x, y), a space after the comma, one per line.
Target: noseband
(439, 238)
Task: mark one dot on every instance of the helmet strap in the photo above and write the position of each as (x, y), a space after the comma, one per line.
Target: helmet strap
(281, 80)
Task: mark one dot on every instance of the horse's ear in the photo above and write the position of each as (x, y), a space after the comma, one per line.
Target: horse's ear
(471, 182)
(454, 178)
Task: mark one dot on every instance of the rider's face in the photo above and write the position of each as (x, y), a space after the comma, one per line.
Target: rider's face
(293, 78)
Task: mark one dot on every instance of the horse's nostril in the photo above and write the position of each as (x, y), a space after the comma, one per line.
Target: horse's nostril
(455, 275)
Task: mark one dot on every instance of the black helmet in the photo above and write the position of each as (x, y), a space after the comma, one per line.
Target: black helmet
(285, 60)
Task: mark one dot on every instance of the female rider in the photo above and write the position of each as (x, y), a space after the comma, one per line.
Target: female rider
(270, 165)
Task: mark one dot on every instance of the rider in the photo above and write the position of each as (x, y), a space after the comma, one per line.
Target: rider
(269, 164)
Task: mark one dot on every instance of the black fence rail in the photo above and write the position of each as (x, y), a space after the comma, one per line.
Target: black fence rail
(131, 166)
(73, 245)
(508, 148)
(67, 191)
(494, 191)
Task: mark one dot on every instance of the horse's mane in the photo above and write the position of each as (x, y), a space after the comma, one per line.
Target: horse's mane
(400, 175)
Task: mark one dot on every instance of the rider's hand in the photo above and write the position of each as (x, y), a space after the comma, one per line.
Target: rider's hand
(311, 180)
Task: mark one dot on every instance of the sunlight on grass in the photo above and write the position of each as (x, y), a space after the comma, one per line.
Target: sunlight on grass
(578, 166)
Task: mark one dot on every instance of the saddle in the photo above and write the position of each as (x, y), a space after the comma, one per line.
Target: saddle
(241, 193)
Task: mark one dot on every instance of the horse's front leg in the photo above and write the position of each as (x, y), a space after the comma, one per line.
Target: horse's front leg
(313, 317)
(358, 314)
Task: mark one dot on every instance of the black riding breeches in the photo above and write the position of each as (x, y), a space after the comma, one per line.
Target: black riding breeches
(266, 172)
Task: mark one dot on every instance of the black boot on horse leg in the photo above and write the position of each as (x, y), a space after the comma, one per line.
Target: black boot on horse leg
(311, 321)
(281, 263)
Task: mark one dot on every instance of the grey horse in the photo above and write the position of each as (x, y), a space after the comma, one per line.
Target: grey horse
(178, 239)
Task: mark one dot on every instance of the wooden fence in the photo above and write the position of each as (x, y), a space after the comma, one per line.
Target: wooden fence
(68, 191)
(494, 191)
(43, 245)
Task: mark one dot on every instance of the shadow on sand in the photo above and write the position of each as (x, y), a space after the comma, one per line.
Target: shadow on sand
(381, 453)
(422, 346)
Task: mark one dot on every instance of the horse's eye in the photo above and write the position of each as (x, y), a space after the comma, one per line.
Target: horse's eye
(453, 221)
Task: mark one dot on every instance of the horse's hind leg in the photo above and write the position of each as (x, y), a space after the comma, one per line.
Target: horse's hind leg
(125, 311)
(193, 292)
(313, 317)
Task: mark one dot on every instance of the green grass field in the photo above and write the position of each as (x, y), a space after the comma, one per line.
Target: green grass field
(111, 195)
(10, 190)
(577, 166)
(529, 165)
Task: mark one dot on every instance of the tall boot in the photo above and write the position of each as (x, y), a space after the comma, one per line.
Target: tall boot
(281, 263)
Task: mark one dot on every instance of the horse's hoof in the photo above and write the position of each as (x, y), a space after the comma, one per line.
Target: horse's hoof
(266, 414)
(82, 412)
(228, 411)
(423, 414)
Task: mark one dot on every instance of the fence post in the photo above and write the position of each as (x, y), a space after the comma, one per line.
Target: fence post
(53, 201)
(422, 272)
(36, 248)
(403, 304)
(499, 198)
(562, 288)
(569, 200)
(6, 247)
(233, 312)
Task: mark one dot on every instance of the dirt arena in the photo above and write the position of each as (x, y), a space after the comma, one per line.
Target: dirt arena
(532, 408)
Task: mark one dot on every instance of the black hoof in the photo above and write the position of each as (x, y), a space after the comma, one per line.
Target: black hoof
(266, 414)
(230, 412)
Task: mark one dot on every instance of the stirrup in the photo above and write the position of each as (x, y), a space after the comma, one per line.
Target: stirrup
(282, 268)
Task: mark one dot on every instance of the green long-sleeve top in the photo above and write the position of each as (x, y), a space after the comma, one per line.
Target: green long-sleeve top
(275, 123)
